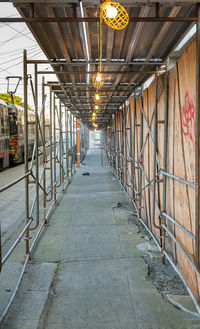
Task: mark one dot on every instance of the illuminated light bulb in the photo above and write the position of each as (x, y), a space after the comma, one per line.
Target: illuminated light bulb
(114, 15)
(98, 80)
(99, 77)
(96, 107)
(97, 97)
(111, 11)
(94, 114)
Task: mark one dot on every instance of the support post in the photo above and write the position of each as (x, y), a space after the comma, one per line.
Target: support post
(165, 163)
(66, 142)
(78, 144)
(134, 148)
(155, 146)
(54, 150)
(197, 145)
(131, 148)
(44, 151)
(51, 143)
(141, 145)
(36, 148)
(71, 146)
(26, 149)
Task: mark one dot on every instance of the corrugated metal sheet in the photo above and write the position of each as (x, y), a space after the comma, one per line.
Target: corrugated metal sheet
(147, 41)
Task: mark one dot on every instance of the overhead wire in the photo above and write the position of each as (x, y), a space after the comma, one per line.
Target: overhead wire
(14, 59)
(17, 50)
(16, 36)
(21, 32)
(7, 68)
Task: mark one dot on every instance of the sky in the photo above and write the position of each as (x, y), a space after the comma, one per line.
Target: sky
(14, 38)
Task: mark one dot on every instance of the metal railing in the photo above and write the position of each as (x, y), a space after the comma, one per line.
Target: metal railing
(50, 169)
(125, 146)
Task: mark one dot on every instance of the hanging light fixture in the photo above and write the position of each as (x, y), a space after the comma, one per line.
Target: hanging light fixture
(96, 108)
(97, 98)
(98, 80)
(114, 15)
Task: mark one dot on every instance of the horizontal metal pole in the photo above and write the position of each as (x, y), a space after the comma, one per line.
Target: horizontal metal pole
(92, 19)
(18, 240)
(164, 252)
(162, 172)
(4, 188)
(94, 72)
(91, 89)
(183, 280)
(179, 225)
(84, 85)
(182, 249)
(92, 62)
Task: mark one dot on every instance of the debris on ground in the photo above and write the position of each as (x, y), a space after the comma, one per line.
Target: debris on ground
(85, 173)
(162, 276)
(117, 205)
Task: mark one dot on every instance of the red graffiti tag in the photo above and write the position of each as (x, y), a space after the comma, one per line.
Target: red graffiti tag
(188, 119)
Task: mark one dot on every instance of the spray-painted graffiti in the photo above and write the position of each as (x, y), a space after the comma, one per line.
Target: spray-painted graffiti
(188, 119)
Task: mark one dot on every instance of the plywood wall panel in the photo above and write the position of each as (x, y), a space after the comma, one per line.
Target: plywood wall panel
(180, 199)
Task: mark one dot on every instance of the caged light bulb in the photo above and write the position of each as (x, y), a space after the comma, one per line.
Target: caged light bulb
(98, 78)
(111, 11)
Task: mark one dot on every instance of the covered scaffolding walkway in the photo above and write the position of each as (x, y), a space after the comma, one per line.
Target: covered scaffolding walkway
(133, 74)
(99, 276)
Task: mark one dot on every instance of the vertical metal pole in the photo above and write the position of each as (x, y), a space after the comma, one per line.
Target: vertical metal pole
(62, 147)
(73, 145)
(78, 144)
(51, 144)
(141, 144)
(165, 161)
(75, 141)
(67, 141)
(54, 149)
(122, 145)
(26, 148)
(110, 144)
(44, 151)
(101, 156)
(133, 172)
(125, 147)
(71, 149)
(60, 142)
(36, 147)
(117, 140)
(131, 146)
(114, 142)
(197, 144)
(155, 146)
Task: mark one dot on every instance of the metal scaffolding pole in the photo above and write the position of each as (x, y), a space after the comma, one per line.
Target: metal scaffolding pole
(78, 143)
(197, 144)
(54, 150)
(26, 149)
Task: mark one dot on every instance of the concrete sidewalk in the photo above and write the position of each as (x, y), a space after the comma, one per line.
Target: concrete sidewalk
(99, 279)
